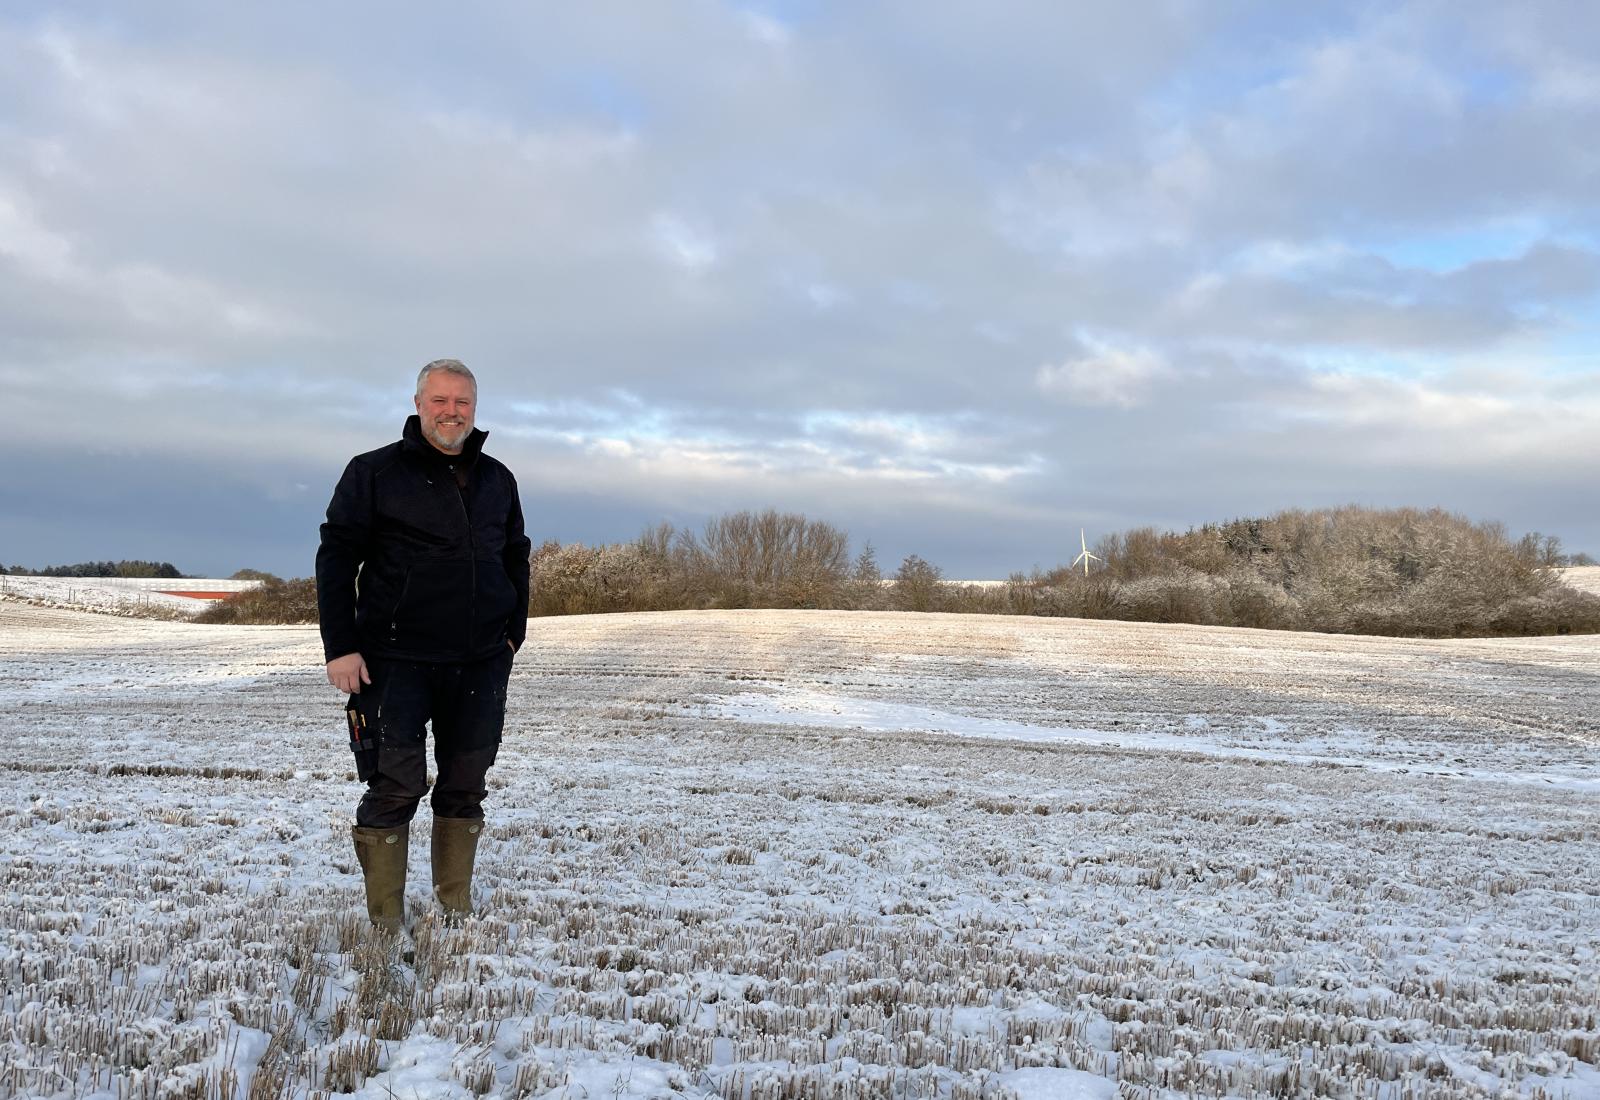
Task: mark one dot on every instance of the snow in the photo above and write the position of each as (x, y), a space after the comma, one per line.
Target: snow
(1058, 1084)
(791, 853)
(1348, 749)
(1585, 578)
(116, 595)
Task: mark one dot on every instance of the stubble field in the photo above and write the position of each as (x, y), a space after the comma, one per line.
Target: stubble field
(795, 854)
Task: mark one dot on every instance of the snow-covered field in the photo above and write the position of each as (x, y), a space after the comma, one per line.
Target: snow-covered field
(117, 595)
(795, 854)
(1585, 578)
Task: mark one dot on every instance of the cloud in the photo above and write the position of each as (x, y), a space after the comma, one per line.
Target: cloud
(984, 277)
(766, 30)
(691, 249)
(1106, 376)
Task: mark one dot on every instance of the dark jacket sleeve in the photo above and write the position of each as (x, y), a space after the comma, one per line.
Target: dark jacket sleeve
(346, 542)
(518, 546)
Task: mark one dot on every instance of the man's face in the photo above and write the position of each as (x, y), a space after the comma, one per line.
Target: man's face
(445, 407)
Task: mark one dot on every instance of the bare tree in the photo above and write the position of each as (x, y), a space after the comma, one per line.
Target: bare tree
(767, 559)
(917, 584)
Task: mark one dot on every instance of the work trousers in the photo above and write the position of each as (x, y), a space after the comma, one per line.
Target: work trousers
(466, 704)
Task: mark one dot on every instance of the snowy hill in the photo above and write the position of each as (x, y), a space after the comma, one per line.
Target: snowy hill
(120, 595)
(1585, 578)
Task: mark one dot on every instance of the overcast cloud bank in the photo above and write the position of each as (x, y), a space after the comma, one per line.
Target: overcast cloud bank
(960, 283)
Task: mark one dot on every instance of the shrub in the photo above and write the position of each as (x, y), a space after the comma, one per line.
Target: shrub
(864, 591)
(254, 575)
(1253, 601)
(744, 559)
(766, 559)
(272, 602)
(1345, 570)
(1185, 597)
(579, 580)
(917, 585)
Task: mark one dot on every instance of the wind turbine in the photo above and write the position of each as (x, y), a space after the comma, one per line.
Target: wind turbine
(1085, 557)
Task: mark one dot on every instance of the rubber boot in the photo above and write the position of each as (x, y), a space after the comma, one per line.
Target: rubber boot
(455, 850)
(382, 855)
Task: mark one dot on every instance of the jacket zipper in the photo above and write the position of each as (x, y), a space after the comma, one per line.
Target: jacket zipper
(472, 551)
(394, 616)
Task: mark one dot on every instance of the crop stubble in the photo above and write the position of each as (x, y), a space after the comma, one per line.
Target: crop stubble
(1302, 864)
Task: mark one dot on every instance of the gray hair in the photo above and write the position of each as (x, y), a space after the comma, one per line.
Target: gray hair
(449, 366)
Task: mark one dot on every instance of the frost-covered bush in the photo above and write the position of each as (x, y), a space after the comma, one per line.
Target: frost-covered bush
(918, 585)
(1185, 597)
(1402, 571)
(865, 590)
(765, 559)
(1245, 600)
(272, 602)
(578, 580)
(744, 559)
(1562, 611)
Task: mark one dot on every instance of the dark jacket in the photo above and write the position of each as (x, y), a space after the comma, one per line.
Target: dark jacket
(415, 567)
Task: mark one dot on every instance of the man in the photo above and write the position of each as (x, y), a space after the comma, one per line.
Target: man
(422, 587)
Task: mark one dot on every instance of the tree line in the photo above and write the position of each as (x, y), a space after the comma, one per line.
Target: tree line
(1352, 570)
(98, 569)
(1401, 572)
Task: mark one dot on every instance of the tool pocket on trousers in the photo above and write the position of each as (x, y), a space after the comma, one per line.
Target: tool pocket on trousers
(363, 740)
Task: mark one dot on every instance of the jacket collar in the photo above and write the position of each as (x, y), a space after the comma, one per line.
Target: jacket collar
(414, 440)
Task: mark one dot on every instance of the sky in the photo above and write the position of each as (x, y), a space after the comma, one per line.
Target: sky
(961, 279)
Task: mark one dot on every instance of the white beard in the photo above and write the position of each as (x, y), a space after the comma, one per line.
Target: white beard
(439, 439)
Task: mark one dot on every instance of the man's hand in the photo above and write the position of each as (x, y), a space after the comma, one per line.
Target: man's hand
(348, 673)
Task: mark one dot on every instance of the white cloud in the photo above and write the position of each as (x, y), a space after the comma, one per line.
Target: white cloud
(887, 216)
(31, 244)
(1107, 376)
(766, 30)
(1498, 419)
(566, 146)
(689, 248)
(826, 296)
